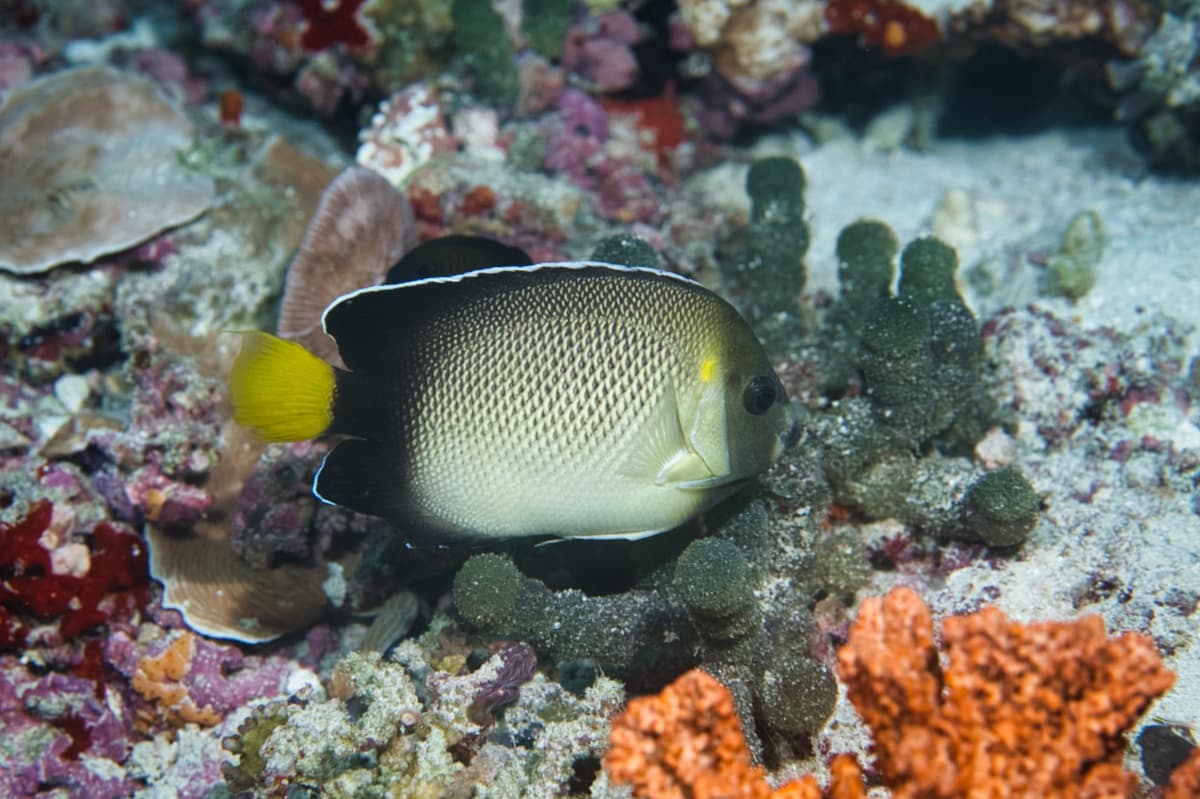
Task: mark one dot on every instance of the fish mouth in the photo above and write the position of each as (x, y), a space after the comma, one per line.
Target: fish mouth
(793, 432)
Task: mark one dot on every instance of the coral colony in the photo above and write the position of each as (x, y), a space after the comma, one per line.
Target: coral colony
(972, 575)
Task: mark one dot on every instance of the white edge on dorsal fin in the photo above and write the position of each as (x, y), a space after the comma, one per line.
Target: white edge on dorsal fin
(493, 270)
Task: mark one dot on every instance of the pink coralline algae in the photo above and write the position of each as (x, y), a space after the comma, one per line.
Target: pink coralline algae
(600, 51)
(615, 170)
(188, 679)
(68, 734)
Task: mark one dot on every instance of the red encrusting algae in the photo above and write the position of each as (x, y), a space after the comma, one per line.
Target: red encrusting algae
(111, 581)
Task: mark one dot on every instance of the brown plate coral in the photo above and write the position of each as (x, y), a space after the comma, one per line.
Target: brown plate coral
(91, 167)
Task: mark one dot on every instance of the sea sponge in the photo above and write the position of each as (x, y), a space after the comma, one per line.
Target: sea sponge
(714, 582)
(927, 268)
(865, 250)
(1002, 508)
(91, 167)
(768, 266)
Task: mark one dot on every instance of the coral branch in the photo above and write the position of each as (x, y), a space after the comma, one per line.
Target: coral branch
(1018, 710)
(687, 743)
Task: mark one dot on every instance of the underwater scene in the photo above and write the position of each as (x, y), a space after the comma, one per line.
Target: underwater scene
(624, 399)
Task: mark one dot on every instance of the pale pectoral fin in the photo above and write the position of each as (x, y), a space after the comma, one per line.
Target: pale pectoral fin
(661, 450)
(708, 438)
(685, 470)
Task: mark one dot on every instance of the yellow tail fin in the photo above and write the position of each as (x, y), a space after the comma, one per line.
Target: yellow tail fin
(280, 390)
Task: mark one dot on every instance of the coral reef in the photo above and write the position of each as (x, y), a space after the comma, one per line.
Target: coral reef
(407, 725)
(108, 179)
(575, 130)
(1032, 709)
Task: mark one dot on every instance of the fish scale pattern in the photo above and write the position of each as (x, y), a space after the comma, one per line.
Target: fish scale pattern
(527, 406)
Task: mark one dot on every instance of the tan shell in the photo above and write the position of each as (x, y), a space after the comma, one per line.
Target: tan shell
(90, 167)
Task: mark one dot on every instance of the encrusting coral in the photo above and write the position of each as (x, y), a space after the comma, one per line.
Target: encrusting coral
(687, 742)
(1020, 710)
(1016, 710)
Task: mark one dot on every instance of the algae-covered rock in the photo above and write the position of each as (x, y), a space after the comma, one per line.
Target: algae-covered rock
(480, 34)
(625, 249)
(1002, 508)
(1072, 271)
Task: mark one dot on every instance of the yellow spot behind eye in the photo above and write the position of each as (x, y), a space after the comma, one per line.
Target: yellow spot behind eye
(708, 369)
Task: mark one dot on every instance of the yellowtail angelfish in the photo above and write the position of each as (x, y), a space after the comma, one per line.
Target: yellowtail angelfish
(579, 400)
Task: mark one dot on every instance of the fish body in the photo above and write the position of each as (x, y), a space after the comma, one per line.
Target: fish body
(576, 400)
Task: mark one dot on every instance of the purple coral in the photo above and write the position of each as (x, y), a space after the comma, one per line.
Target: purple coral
(517, 663)
(600, 51)
(56, 718)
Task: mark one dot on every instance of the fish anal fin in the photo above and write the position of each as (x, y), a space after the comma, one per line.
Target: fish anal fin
(362, 476)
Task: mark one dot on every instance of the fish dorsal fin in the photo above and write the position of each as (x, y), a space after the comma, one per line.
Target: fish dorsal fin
(454, 255)
(372, 325)
(662, 454)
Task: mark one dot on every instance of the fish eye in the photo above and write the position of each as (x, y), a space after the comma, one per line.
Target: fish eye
(759, 395)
